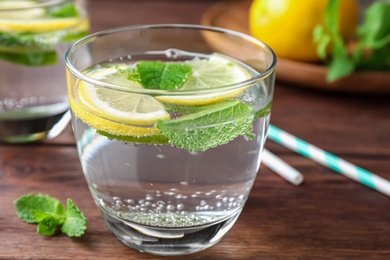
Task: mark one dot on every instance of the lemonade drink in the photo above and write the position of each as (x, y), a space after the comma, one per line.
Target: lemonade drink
(169, 155)
(34, 36)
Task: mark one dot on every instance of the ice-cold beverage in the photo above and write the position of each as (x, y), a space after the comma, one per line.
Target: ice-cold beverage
(169, 158)
(34, 36)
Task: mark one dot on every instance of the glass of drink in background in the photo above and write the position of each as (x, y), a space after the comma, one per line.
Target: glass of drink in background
(170, 123)
(34, 36)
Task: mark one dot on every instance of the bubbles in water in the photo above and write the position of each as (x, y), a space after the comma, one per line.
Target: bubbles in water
(170, 207)
(173, 53)
(160, 202)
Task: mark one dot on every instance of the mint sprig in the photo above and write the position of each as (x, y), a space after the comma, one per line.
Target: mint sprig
(373, 43)
(159, 75)
(50, 214)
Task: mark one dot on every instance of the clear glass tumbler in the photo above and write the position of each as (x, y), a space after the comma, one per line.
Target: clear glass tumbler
(170, 169)
(34, 36)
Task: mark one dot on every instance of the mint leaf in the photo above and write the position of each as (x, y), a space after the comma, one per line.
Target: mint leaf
(373, 46)
(65, 11)
(213, 126)
(75, 223)
(30, 59)
(28, 204)
(150, 73)
(341, 63)
(175, 75)
(159, 75)
(28, 41)
(28, 49)
(47, 223)
(374, 35)
(50, 214)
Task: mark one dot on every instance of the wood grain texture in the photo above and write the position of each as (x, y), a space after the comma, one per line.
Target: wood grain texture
(327, 217)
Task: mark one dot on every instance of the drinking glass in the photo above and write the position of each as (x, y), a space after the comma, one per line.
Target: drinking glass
(177, 185)
(34, 36)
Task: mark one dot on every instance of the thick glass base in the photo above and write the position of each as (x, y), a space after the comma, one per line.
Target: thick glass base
(169, 241)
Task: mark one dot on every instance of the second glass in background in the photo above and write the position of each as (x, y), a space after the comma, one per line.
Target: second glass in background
(34, 36)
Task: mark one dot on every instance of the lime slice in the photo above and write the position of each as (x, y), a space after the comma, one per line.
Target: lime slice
(117, 112)
(217, 71)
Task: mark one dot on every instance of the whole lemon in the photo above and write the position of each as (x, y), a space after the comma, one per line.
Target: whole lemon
(287, 25)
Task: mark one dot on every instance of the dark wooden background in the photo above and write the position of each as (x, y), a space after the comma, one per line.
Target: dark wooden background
(327, 217)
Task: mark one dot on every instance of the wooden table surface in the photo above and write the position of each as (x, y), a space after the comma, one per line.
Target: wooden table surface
(327, 217)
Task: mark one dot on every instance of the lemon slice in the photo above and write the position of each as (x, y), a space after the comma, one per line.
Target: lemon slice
(20, 13)
(219, 70)
(117, 112)
(32, 20)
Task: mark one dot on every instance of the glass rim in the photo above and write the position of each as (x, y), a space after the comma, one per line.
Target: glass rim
(90, 38)
(35, 5)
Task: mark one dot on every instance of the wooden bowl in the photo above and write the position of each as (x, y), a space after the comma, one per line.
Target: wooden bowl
(234, 15)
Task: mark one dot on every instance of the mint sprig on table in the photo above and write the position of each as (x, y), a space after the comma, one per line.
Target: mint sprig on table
(373, 43)
(51, 215)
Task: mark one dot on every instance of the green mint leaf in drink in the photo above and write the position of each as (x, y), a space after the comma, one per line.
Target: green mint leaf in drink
(68, 10)
(160, 75)
(50, 215)
(30, 59)
(201, 131)
(150, 73)
(75, 223)
(175, 75)
(28, 204)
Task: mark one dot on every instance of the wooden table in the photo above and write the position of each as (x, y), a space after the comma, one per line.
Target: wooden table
(327, 217)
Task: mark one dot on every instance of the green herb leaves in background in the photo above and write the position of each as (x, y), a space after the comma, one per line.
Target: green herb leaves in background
(50, 215)
(372, 50)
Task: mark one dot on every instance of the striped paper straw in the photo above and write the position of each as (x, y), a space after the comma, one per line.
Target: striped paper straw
(335, 163)
(280, 167)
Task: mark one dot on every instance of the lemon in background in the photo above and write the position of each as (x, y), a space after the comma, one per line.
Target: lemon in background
(287, 25)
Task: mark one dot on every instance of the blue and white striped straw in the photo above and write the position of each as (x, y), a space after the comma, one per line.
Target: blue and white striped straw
(281, 168)
(335, 163)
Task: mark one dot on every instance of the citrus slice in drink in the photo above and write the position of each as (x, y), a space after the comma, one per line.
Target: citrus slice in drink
(117, 112)
(217, 71)
(25, 18)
